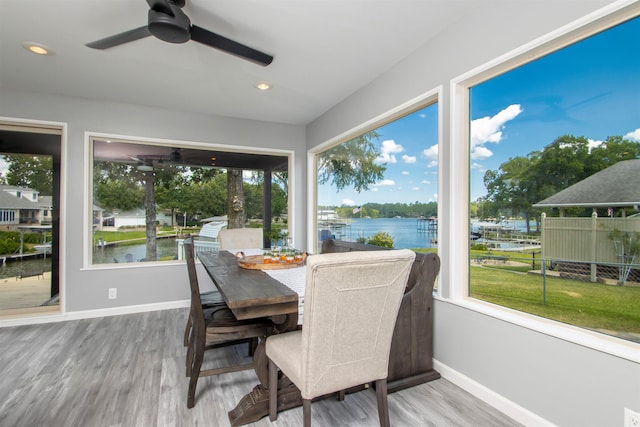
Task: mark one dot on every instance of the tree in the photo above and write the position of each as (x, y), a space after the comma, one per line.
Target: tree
(523, 181)
(117, 195)
(235, 203)
(513, 188)
(352, 163)
(611, 151)
(117, 186)
(29, 171)
(150, 215)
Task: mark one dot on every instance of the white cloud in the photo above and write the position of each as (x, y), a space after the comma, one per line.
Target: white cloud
(593, 144)
(431, 154)
(488, 130)
(388, 150)
(385, 182)
(415, 188)
(480, 153)
(634, 135)
(477, 166)
(425, 182)
(348, 202)
(409, 159)
(405, 173)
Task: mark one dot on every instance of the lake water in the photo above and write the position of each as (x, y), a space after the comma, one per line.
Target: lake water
(111, 254)
(14, 268)
(405, 231)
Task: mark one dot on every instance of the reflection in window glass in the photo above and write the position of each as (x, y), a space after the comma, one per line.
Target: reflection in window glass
(554, 145)
(146, 197)
(381, 187)
(26, 239)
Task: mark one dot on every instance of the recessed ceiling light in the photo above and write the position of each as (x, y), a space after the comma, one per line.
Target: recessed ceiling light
(37, 48)
(263, 85)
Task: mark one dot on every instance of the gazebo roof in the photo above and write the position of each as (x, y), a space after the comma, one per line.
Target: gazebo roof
(615, 186)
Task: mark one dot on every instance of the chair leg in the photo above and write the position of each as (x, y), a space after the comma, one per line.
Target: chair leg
(306, 412)
(383, 407)
(273, 391)
(253, 344)
(195, 370)
(341, 395)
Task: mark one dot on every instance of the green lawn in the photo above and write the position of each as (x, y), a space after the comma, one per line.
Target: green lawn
(589, 305)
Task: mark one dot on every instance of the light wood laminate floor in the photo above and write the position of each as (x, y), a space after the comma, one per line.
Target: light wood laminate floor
(129, 371)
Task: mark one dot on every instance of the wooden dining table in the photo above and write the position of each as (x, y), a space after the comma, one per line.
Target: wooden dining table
(252, 294)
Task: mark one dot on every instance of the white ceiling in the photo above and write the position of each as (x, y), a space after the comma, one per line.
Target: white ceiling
(324, 50)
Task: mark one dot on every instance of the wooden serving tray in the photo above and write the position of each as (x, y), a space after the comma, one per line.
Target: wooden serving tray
(256, 262)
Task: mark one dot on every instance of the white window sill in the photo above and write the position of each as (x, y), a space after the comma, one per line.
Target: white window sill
(597, 341)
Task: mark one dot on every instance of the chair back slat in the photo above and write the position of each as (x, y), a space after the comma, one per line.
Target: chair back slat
(197, 315)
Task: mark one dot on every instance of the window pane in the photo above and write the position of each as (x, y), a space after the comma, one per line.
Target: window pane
(555, 160)
(26, 239)
(381, 187)
(146, 197)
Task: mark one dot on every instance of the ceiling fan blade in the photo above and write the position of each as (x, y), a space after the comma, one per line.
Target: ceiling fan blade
(217, 41)
(122, 38)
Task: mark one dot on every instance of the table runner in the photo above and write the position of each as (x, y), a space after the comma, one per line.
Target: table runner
(294, 279)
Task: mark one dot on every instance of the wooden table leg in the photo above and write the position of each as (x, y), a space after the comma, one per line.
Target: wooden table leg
(255, 405)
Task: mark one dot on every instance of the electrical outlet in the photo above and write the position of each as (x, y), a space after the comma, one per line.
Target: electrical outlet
(631, 418)
(113, 294)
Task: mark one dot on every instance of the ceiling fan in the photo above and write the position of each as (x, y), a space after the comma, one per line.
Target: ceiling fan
(169, 23)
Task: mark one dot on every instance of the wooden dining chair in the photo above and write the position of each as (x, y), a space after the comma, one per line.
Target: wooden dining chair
(240, 238)
(211, 301)
(220, 330)
(351, 304)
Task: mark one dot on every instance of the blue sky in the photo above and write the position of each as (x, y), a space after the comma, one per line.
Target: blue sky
(589, 89)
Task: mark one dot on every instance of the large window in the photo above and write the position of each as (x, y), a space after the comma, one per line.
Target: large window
(30, 169)
(555, 163)
(381, 187)
(147, 196)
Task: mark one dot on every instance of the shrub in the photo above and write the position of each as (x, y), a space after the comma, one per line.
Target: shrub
(383, 239)
(479, 247)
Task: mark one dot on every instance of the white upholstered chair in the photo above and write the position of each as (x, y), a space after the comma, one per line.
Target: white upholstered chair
(240, 238)
(350, 309)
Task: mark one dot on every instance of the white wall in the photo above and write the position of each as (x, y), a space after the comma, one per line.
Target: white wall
(535, 377)
(87, 289)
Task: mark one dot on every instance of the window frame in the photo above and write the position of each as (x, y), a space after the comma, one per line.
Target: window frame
(456, 229)
(89, 137)
(427, 99)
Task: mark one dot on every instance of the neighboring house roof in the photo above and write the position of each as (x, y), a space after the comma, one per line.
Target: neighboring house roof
(9, 201)
(615, 186)
(45, 201)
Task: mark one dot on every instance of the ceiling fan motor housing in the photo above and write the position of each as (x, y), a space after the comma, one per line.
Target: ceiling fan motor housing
(172, 29)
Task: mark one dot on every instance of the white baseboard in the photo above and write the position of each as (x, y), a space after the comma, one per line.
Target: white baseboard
(504, 405)
(89, 314)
